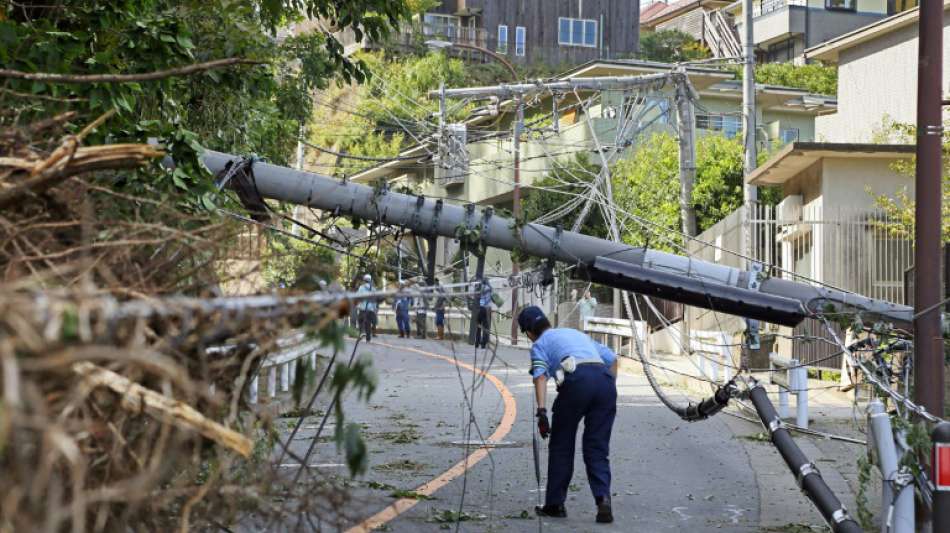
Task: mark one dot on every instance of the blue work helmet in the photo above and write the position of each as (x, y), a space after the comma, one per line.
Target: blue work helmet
(529, 316)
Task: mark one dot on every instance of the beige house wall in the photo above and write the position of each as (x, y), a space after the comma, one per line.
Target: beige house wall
(876, 80)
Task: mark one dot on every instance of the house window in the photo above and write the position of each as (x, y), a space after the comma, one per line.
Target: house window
(659, 110)
(781, 52)
(520, 35)
(435, 24)
(577, 32)
(788, 135)
(502, 47)
(842, 5)
(729, 125)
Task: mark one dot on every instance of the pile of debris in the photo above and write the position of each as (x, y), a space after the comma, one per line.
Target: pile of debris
(123, 408)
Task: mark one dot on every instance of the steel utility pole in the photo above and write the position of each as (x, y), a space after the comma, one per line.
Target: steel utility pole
(750, 193)
(928, 337)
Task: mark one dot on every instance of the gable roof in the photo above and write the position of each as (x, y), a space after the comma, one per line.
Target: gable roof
(829, 50)
(652, 10)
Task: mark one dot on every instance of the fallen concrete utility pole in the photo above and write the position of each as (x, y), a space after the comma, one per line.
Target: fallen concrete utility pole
(807, 474)
(427, 217)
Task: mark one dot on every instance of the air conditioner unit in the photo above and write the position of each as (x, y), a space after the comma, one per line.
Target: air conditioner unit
(789, 210)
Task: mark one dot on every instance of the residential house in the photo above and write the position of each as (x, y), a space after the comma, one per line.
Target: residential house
(783, 29)
(704, 20)
(533, 31)
(827, 228)
(868, 96)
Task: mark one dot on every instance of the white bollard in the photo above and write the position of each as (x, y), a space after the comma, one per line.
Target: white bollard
(285, 377)
(782, 402)
(801, 393)
(252, 391)
(293, 371)
(313, 361)
(901, 518)
(272, 382)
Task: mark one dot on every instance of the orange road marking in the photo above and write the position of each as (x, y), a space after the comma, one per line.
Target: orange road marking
(504, 427)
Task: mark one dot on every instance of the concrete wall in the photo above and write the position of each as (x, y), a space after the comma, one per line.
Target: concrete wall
(854, 182)
(877, 80)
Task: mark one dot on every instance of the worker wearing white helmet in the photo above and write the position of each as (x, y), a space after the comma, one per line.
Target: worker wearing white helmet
(366, 308)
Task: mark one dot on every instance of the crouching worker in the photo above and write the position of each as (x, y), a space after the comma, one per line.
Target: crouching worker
(585, 372)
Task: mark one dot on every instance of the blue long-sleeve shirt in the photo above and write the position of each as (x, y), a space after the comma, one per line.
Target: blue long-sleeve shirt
(484, 299)
(557, 343)
(368, 304)
(403, 304)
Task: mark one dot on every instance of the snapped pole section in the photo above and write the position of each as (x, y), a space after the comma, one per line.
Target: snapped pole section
(806, 473)
(897, 510)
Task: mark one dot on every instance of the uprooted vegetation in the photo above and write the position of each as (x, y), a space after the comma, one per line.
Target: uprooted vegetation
(124, 383)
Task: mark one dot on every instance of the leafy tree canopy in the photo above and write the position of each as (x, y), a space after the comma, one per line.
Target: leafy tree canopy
(900, 208)
(672, 46)
(647, 185)
(812, 77)
(244, 109)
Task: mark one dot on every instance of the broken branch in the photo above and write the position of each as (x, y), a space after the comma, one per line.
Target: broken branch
(135, 397)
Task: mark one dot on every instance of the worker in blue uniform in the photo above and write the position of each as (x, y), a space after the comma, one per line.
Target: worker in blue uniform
(402, 305)
(585, 372)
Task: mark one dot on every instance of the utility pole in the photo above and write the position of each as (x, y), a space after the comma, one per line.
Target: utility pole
(686, 280)
(928, 337)
(685, 123)
(295, 228)
(516, 209)
(749, 192)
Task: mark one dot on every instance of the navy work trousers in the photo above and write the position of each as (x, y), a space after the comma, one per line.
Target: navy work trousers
(589, 393)
(402, 322)
(483, 331)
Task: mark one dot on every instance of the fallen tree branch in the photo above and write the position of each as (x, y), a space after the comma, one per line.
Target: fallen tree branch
(135, 398)
(126, 78)
(84, 159)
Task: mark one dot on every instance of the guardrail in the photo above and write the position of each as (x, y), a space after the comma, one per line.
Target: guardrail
(712, 354)
(791, 377)
(282, 366)
(613, 331)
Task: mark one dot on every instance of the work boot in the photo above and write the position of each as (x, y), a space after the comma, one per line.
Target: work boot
(553, 510)
(604, 514)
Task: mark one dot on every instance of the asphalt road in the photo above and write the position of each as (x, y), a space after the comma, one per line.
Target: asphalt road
(667, 475)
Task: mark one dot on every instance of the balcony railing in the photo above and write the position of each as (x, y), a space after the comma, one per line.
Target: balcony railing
(448, 32)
